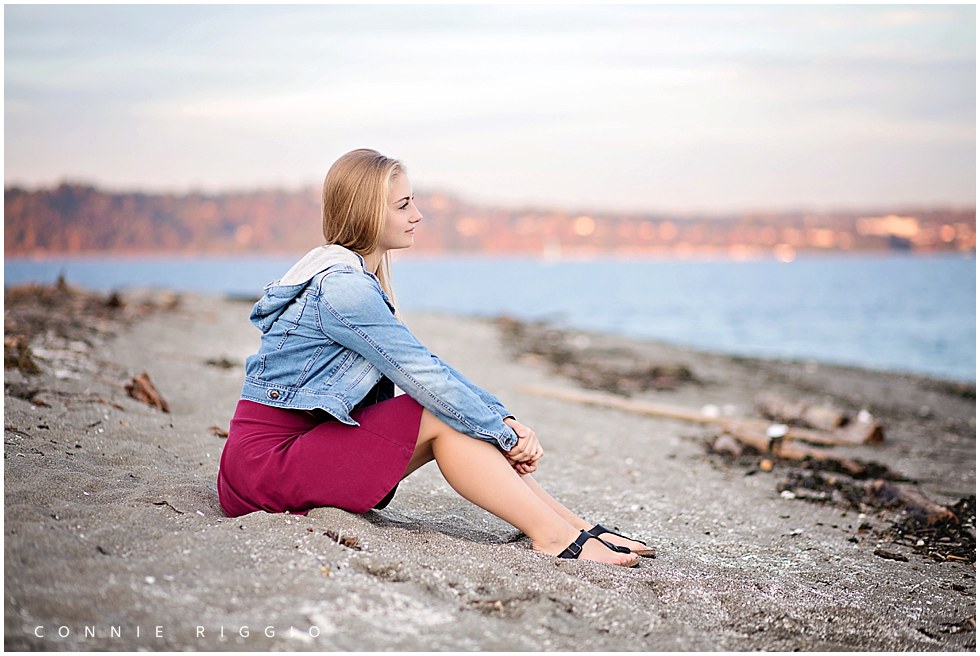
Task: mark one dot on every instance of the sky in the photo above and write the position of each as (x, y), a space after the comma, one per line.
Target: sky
(629, 107)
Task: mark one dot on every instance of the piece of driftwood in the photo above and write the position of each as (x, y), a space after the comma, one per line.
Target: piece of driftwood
(920, 508)
(820, 417)
(792, 412)
(142, 389)
(747, 434)
(862, 432)
(842, 437)
(890, 555)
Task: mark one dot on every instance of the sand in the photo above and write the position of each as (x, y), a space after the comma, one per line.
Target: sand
(114, 539)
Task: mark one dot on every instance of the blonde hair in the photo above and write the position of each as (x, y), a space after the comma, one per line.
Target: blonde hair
(355, 200)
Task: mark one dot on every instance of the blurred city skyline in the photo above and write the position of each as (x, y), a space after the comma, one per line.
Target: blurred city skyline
(633, 108)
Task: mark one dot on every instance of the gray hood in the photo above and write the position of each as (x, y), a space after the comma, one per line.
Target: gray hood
(281, 293)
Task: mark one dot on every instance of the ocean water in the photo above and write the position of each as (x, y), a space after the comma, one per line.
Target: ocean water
(897, 312)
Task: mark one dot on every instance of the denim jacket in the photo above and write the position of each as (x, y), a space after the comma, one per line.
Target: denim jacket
(330, 335)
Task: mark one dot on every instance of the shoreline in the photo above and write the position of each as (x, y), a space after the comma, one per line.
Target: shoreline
(112, 517)
(694, 350)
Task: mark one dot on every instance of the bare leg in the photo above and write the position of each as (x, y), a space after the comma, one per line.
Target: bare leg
(555, 505)
(423, 454)
(574, 519)
(479, 472)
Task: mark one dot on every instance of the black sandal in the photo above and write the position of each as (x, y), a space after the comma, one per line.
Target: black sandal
(599, 529)
(573, 550)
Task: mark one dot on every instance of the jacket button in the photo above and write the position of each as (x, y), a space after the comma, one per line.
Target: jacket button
(273, 394)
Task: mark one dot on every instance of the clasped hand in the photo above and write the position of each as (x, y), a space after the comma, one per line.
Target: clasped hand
(524, 455)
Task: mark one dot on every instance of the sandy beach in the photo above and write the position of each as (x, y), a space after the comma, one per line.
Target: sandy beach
(114, 540)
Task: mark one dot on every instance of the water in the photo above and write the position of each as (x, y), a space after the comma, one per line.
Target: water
(898, 313)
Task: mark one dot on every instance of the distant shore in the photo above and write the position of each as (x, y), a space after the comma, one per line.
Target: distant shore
(668, 256)
(114, 539)
(61, 219)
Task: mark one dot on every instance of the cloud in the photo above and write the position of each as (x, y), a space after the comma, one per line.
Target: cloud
(592, 98)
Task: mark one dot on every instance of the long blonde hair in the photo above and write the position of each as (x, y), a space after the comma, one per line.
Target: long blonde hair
(355, 200)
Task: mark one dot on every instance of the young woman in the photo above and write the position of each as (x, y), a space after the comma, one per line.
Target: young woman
(318, 423)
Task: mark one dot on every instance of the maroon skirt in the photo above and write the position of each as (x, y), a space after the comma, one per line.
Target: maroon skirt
(280, 460)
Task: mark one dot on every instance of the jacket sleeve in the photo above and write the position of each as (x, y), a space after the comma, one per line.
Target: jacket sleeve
(492, 401)
(353, 313)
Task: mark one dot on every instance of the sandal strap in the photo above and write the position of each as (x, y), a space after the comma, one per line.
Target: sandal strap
(599, 529)
(575, 548)
(614, 547)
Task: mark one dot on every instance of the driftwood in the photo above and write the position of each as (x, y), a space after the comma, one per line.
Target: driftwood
(861, 432)
(806, 414)
(846, 436)
(142, 389)
(820, 417)
(920, 508)
(747, 434)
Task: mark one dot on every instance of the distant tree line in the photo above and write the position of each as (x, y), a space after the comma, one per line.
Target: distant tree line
(77, 218)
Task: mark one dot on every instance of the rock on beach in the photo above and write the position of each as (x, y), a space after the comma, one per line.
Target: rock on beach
(114, 540)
